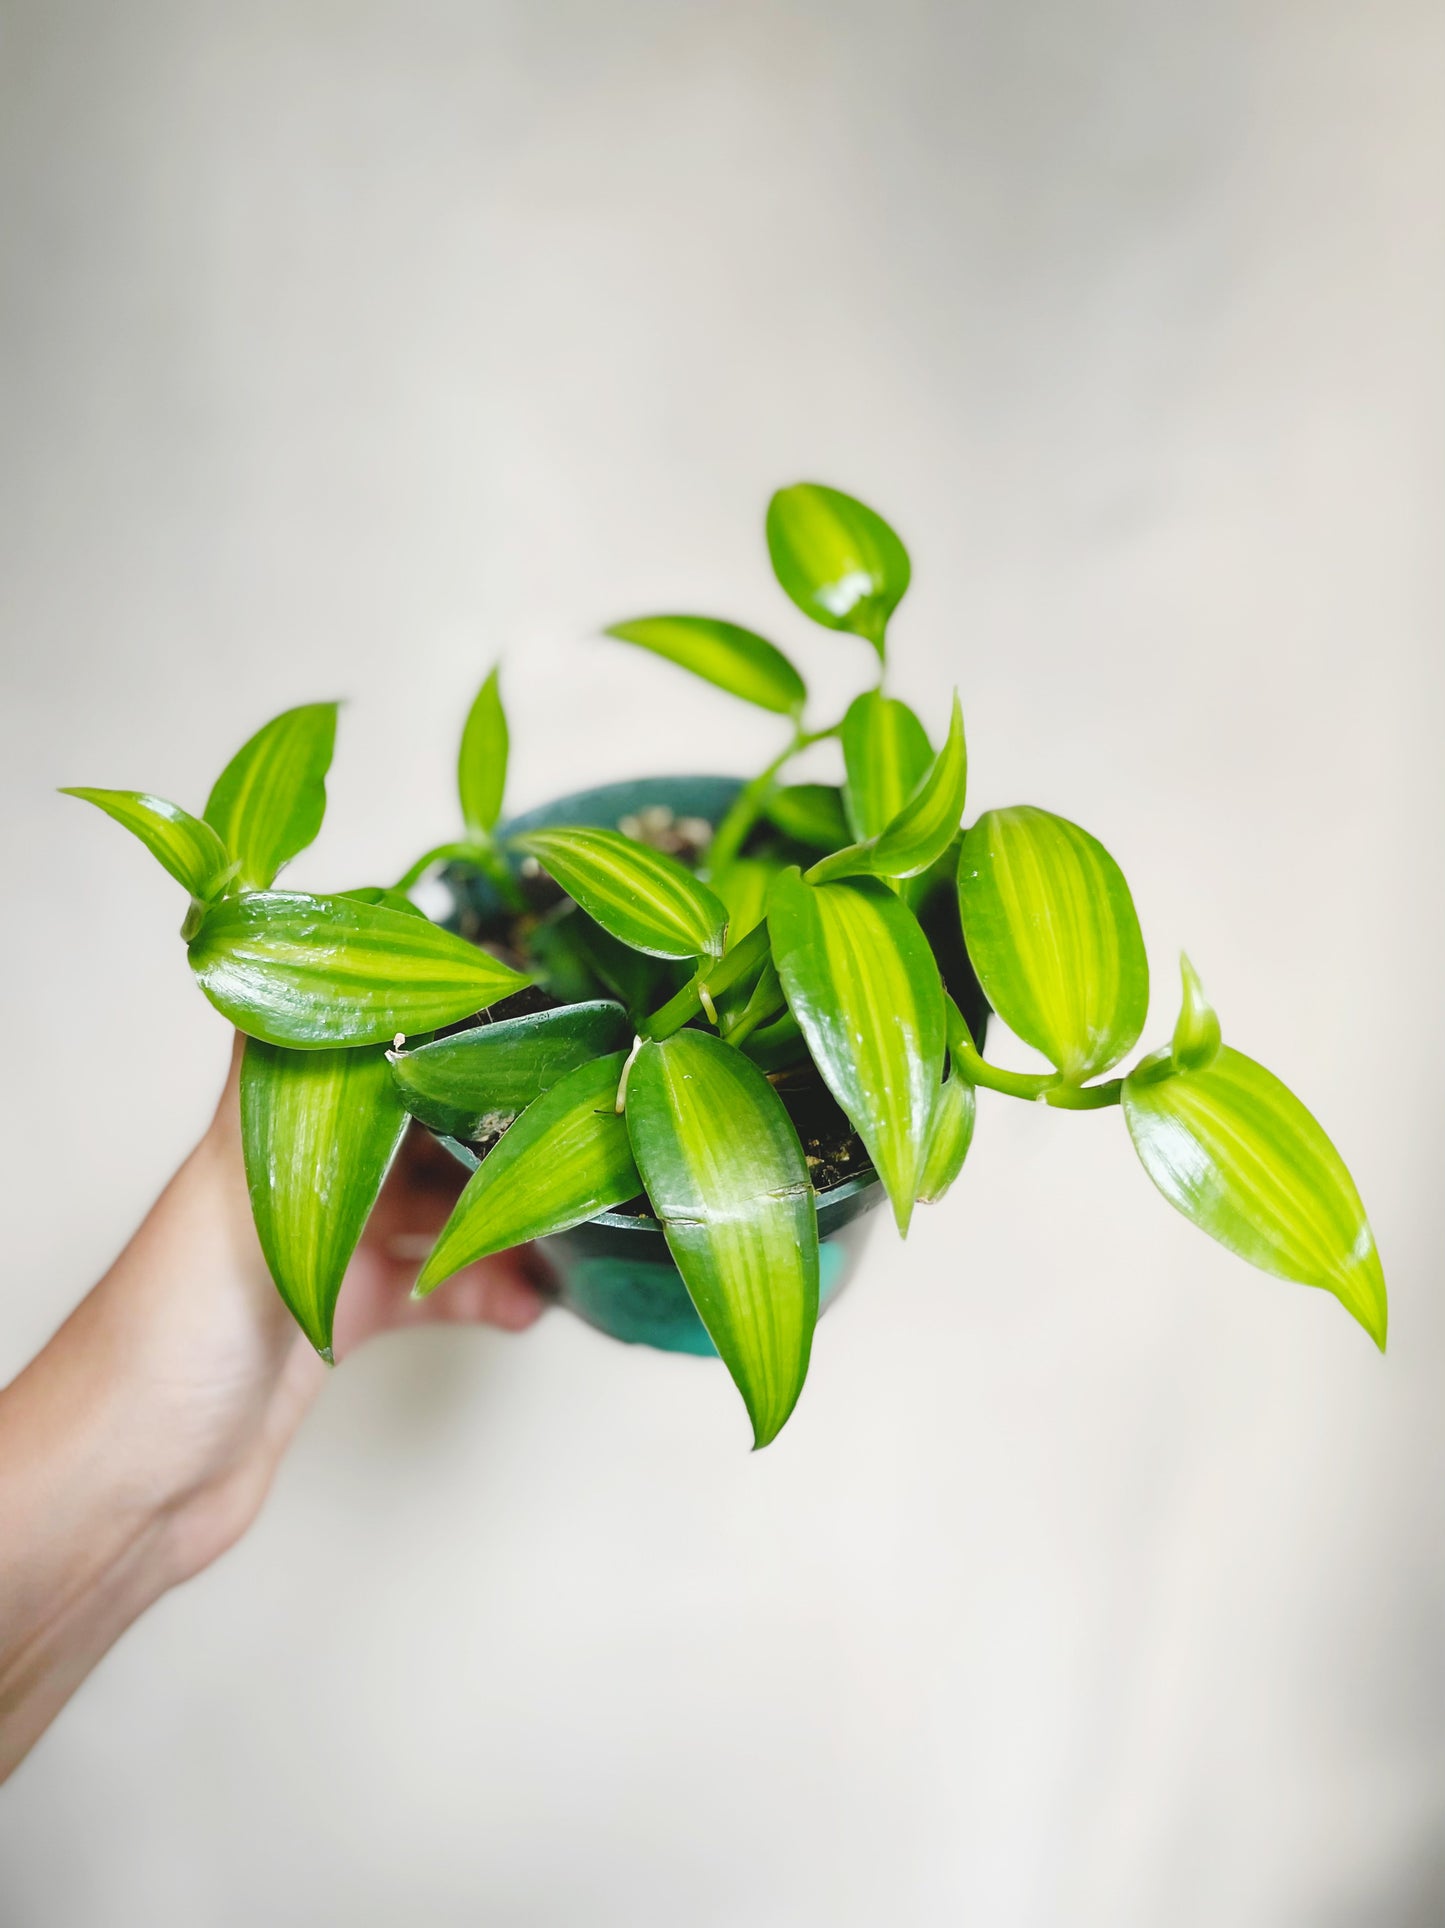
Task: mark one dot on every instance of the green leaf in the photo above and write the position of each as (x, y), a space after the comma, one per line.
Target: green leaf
(268, 802)
(482, 764)
(810, 813)
(861, 980)
(646, 899)
(885, 753)
(922, 830)
(838, 560)
(566, 1159)
(743, 888)
(310, 971)
(1051, 930)
(1196, 1034)
(728, 1180)
(319, 1130)
(733, 659)
(477, 1081)
(1236, 1152)
(950, 1134)
(386, 895)
(189, 849)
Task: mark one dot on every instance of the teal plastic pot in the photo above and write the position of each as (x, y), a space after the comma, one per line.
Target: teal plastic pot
(615, 1272)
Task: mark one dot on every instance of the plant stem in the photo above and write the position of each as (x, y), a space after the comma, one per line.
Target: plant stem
(748, 805)
(480, 856)
(1034, 1086)
(719, 974)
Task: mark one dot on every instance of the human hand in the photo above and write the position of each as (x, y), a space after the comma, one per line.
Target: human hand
(142, 1440)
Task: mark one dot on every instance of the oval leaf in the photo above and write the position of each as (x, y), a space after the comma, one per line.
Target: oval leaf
(734, 659)
(1052, 933)
(1236, 1152)
(189, 849)
(886, 753)
(861, 981)
(729, 1182)
(310, 971)
(268, 802)
(838, 560)
(810, 813)
(566, 1159)
(642, 897)
(477, 1081)
(319, 1130)
(482, 762)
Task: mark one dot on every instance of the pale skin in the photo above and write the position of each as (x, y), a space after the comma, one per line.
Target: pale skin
(141, 1442)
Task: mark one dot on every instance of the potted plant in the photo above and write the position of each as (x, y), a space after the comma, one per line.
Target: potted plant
(685, 1031)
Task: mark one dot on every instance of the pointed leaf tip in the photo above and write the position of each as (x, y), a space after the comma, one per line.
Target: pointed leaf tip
(268, 803)
(724, 654)
(728, 1180)
(1196, 1034)
(1237, 1154)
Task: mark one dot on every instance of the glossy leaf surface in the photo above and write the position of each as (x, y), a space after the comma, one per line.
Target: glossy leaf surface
(838, 559)
(387, 896)
(950, 1134)
(646, 899)
(567, 1158)
(885, 753)
(862, 983)
(310, 971)
(810, 813)
(1052, 932)
(1196, 1034)
(478, 1080)
(922, 830)
(482, 761)
(1236, 1152)
(319, 1130)
(743, 887)
(727, 1178)
(268, 802)
(189, 849)
(731, 658)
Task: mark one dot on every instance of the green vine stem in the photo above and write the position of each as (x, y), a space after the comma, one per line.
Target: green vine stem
(1035, 1087)
(716, 975)
(750, 802)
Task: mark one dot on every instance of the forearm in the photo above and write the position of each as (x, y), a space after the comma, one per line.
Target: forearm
(115, 1483)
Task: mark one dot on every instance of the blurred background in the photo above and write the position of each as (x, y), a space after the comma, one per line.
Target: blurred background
(346, 348)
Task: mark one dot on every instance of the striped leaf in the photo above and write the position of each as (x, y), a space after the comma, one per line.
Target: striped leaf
(862, 983)
(923, 829)
(268, 802)
(955, 1108)
(642, 897)
(1236, 1152)
(392, 899)
(189, 849)
(838, 560)
(728, 1180)
(319, 1130)
(731, 658)
(885, 754)
(743, 886)
(810, 813)
(1052, 933)
(1196, 1033)
(566, 1159)
(477, 1081)
(482, 762)
(311, 971)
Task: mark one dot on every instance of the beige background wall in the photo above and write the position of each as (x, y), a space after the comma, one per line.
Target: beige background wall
(1099, 1579)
